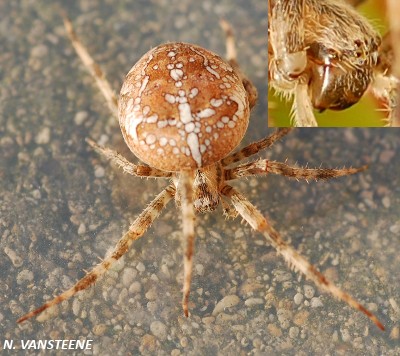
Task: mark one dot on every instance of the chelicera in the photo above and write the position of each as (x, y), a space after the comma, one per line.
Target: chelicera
(183, 110)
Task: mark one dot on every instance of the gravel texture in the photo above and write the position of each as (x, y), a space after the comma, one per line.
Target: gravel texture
(62, 207)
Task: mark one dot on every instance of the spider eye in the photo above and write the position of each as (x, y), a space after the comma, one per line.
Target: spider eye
(199, 90)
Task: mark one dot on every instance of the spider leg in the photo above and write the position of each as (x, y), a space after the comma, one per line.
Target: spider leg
(294, 259)
(228, 210)
(255, 147)
(128, 167)
(231, 56)
(93, 68)
(264, 166)
(136, 230)
(188, 217)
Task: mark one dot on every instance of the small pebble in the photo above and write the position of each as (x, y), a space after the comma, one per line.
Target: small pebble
(82, 229)
(253, 301)
(199, 269)
(152, 294)
(386, 202)
(99, 329)
(148, 343)
(345, 335)
(159, 330)
(294, 332)
(76, 306)
(99, 171)
(274, 330)
(24, 276)
(208, 320)
(316, 302)
(15, 259)
(152, 307)
(39, 51)
(80, 117)
(309, 291)
(298, 298)
(135, 287)
(140, 267)
(301, 318)
(43, 136)
(395, 333)
(184, 341)
(395, 229)
(284, 318)
(36, 194)
(226, 302)
(128, 276)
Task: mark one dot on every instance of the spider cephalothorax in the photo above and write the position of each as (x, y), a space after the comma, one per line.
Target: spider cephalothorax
(191, 123)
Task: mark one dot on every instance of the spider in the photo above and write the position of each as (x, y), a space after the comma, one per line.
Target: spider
(326, 55)
(182, 110)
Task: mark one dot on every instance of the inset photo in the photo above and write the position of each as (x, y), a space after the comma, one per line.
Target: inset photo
(332, 63)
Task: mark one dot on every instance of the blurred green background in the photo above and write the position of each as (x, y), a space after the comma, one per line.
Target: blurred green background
(363, 114)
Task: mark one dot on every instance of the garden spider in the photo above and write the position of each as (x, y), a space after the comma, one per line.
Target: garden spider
(325, 55)
(182, 110)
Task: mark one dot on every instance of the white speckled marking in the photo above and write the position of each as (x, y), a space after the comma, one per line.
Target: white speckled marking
(170, 98)
(213, 72)
(193, 93)
(205, 113)
(132, 122)
(163, 141)
(185, 113)
(143, 86)
(189, 127)
(176, 74)
(216, 102)
(150, 139)
(193, 142)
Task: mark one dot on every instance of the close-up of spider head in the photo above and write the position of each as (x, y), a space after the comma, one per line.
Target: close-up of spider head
(325, 55)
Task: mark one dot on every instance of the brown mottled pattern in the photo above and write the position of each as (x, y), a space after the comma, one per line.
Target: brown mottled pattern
(152, 94)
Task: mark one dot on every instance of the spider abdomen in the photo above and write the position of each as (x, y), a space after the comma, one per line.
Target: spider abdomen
(182, 107)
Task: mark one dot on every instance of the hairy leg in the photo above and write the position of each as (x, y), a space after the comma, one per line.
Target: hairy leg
(136, 230)
(93, 68)
(294, 259)
(255, 147)
(188, 217)
(136, 170)
(264, 166)
(231, 56)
